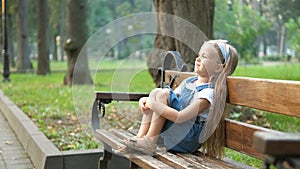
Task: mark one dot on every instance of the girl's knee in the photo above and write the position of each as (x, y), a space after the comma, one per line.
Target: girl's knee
(154, 92)
(163, 95)
(160, 94)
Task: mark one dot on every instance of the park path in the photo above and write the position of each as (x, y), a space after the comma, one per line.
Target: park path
(12, 154)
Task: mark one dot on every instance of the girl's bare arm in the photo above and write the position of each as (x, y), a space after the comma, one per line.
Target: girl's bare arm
(175, 116)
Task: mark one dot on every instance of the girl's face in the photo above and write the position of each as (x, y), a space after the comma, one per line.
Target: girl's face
(207, 62)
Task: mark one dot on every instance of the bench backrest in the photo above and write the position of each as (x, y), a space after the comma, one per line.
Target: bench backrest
(276, 96)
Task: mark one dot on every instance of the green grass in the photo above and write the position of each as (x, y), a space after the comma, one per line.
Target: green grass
(50, 104)
(287, 71)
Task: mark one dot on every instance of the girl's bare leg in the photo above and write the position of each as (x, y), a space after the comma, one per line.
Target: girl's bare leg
(147, 117)
(157, 121)
(145, 124)
(152, 123)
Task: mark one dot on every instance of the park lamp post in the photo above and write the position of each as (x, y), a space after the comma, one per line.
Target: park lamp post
(5, 55)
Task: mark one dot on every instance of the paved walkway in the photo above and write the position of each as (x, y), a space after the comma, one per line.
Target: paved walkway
(12, 154)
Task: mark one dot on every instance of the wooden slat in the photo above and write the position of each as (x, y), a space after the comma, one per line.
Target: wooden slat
(279, 96)
(207, 162)
(144, 161)
(239, 137)
(166, 157)
(108, 138)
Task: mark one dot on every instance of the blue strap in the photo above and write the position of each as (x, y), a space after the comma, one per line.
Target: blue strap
(201, 87)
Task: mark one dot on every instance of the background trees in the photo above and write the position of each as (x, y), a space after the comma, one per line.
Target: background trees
(255, 27)
(43, 66)
(76, 38)
(23, 63)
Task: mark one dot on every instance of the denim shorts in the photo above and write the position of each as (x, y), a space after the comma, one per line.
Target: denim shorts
(187, 144)
(174, 101)
(181, 137)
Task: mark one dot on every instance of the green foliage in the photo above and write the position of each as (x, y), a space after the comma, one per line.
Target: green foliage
(274, 58)
(105, 11)
(242, 26)
(294, 34)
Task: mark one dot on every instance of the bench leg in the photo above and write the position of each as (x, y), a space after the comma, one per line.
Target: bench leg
(133, 165)
(102, 164)
(110, 160)
(107, 155)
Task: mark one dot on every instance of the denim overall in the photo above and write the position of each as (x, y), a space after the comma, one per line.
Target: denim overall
(183, 137)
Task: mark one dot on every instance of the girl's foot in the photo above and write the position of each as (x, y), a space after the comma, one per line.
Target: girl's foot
(143, 144)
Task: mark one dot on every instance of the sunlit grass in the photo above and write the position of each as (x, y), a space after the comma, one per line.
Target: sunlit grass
(287, 71)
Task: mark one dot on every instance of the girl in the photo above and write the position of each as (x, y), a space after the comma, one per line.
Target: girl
(192, 115)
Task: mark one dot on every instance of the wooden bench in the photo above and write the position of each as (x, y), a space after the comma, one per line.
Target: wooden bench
(276, 96)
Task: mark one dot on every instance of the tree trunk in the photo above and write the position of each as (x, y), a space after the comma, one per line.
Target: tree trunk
(10, 44)
(199, 13)
(22, 35)
(62, 30)
(54, 42)
(77, 72)
(43, 66)
(282, 41)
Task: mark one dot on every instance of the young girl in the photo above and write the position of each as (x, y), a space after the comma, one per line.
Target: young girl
(192, 115)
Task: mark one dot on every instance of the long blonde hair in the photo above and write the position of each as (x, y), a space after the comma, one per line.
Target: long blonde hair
(214, 145)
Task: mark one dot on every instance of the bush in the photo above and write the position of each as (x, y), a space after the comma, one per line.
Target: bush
(274, 58)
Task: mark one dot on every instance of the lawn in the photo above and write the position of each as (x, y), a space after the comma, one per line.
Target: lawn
(50, 104)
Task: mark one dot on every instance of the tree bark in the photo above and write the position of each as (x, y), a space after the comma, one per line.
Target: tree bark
(43, 66)
(10, 44)
(24, 64)
(199, 13)
(78, 71)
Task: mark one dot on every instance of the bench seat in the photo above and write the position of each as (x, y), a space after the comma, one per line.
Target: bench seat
(164, 159)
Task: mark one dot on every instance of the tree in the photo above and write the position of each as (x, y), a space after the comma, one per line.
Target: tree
(11, 52)
(199, 13)
(278, 13)
(241, 24)
(23, 64)
(294, 35)
(43, 66)
(76, 38)
(58, 29)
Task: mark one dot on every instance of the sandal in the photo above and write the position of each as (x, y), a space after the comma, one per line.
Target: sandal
(148, 148)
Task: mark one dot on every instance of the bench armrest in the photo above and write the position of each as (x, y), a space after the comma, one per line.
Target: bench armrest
(107, 97)
(102, 98)
(280, 148)
(277, 144)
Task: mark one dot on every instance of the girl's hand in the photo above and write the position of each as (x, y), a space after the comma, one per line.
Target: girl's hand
(143, 105)
(148, 103)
